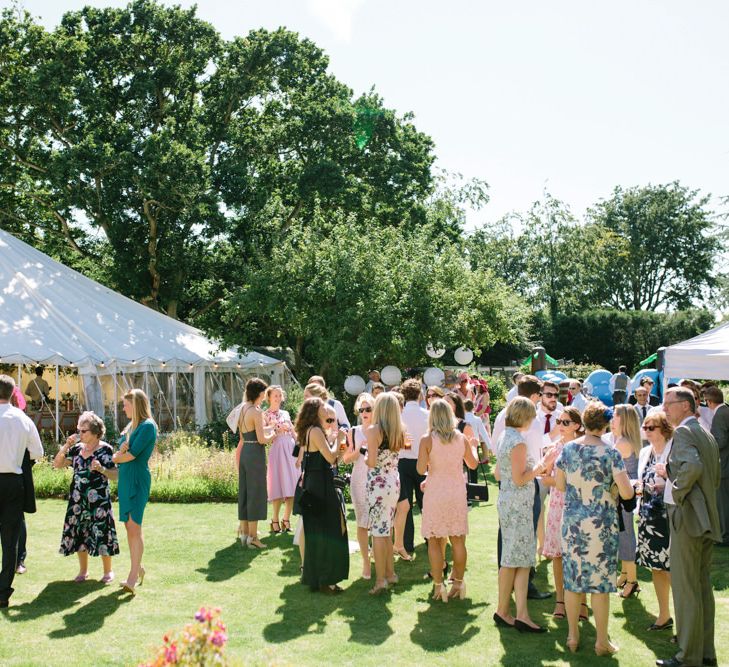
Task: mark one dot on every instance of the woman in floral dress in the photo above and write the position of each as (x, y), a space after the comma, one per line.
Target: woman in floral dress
(385, 438)
(586, 471)
(653, 526)
(570, 428)
(89, 527)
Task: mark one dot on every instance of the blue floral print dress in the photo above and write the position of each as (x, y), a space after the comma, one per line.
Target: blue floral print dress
(590, 520)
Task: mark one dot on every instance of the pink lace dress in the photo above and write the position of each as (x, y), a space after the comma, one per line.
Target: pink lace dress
(445, 505)
(553, 531)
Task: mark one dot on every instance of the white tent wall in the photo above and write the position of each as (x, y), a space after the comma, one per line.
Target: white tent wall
(53, 316)
(705, 356)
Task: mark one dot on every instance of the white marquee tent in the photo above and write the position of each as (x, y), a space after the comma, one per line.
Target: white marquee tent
(106, 343)
(705, 356)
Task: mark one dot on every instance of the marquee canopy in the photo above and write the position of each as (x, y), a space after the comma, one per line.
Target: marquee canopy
(705, 356)
(53, 315)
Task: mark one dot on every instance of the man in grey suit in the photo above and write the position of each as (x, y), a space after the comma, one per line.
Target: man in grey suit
(694, 473)
(720, 431)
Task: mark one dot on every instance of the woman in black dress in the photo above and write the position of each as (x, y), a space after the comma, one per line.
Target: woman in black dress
(89, 527)
(326, 556)
(653, 527)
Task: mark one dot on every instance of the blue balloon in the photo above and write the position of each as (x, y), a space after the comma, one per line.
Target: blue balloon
(599, 386)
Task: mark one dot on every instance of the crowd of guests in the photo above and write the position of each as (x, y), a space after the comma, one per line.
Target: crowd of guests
(572, 479)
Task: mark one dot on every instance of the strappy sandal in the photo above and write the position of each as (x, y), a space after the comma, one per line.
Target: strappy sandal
(404, 555)
(285, 526)
(586, 615)
(625, 581)
(559, 614)
(278, 527)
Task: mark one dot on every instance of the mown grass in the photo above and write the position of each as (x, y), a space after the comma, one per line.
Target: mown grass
(193, 559)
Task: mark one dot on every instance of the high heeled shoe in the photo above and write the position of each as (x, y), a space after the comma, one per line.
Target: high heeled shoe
(254, 543)
(634, 590)
(285, 526)
(586, 615)
(142, 572)
(573, 645)
(625, 581)
(278, 527)
(602, 651)
(127, 587)
(440, 591)
(404, 555)
(458, 589)
(525, 627)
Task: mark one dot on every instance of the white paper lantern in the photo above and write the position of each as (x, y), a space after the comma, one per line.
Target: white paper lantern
(433, 353)
(433, 377)
(354, 385)
(463, 356)
(391, 376)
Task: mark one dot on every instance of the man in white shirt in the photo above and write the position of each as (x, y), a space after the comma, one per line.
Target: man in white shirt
(342, 419)
(579, 400)
(548, 411)
(415, 421)
(17, 433)
(513, 393)
(374, 378)
(619, 385)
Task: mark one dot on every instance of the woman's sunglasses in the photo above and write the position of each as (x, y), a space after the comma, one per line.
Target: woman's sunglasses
(361, 410)
(650, 428)
(563, 422)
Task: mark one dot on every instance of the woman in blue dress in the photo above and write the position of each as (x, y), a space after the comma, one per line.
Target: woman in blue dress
(586, 471)
(136, 446)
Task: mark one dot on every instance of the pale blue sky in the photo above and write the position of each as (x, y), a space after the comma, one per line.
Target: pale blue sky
(577, 96)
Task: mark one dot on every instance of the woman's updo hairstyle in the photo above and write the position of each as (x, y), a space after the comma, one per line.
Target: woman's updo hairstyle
(596, 416)
(254, 388)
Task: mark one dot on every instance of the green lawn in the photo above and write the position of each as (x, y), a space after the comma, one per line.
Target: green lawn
(193, 559)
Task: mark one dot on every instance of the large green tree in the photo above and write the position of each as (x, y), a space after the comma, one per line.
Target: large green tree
(358, 298)
(144, 143)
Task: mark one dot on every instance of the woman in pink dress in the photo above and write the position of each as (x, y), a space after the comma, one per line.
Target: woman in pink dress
(570, 428)
(282, 472)
(443, 451)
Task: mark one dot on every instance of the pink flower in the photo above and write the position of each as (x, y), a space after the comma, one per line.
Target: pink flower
(218, 638)
(171, 653)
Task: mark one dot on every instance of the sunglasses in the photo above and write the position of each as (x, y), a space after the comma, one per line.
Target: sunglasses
(564, 422)
(83, 430)
(549, 394)
(650, 428)
(330, 420)
(361, 410)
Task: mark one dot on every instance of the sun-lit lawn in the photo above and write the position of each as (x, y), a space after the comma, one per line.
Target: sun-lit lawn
(193, 559)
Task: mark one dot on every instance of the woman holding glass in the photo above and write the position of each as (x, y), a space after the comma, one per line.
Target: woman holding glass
(89, 528)
(653, 526)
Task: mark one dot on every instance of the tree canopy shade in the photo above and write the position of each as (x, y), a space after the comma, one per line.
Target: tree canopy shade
(143, 124)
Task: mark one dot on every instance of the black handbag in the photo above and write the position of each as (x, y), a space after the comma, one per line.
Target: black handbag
(478, 492)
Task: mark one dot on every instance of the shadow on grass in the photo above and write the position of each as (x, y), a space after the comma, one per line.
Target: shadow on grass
(636, 618)
(55, 597)
(443, 626)
(90, 617)
(301, 610)
(228, 561)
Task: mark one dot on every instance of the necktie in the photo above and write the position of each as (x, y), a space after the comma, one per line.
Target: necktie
(645, 410)
(547, 425)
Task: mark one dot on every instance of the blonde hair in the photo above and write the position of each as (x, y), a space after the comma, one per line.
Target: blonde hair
(364, 397)
(273, 387)
(520, 411)
(141, 410)
(388, 417)
(315, 390)
(441, 420)
(629, 426)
